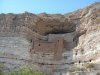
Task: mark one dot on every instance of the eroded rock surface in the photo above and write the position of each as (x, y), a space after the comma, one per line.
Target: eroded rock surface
(80, 30)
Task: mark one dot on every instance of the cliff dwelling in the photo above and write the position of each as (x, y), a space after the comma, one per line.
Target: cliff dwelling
(48, 55)
(21, 45)
(56, 48)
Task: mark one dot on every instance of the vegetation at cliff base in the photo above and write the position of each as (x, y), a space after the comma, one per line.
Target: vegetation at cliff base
(22, 71)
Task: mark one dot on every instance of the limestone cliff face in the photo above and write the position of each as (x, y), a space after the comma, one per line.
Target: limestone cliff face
(80, 29)
(88, 31)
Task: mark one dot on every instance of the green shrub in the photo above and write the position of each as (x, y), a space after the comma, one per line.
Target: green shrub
(26, 71)
(1, 73)
(22, 71)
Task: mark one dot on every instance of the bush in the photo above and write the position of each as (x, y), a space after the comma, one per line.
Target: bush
(26, 71)
(1, 73)
(89, 66)
(73, 69)
(22, 71)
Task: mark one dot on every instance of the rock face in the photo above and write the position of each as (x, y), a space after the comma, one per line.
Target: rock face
(14, 51)
(80, 30)
(89, 33)
(42, 24)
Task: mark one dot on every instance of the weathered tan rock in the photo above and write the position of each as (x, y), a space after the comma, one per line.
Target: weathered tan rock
(80, 30)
